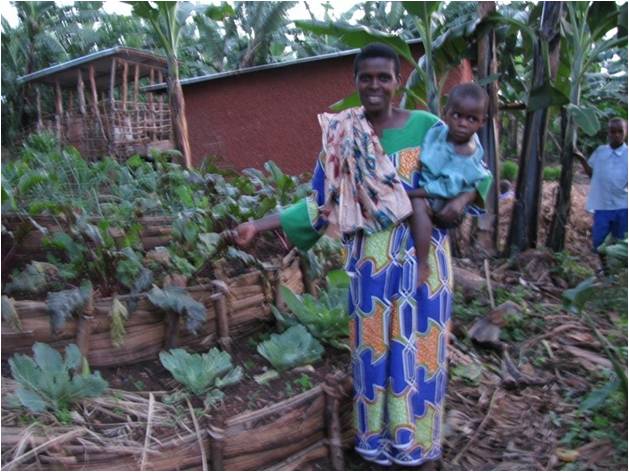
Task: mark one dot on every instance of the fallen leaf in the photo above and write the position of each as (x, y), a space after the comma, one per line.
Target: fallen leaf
(567, 455)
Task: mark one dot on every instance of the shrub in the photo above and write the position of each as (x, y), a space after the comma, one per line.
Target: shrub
(509, 170)
(552, 174)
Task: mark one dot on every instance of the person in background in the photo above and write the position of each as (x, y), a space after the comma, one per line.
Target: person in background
(607, 167)
(398, 330)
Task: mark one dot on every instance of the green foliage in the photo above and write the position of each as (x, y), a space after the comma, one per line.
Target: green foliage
(570, 268)
(202, 374)
(62, 305)
(294, 347)
(326, 317)
(304, 382)
(590, 290)
(36, 278)
(178, 300)
(552, 174)
(509, 170)
(48, 382)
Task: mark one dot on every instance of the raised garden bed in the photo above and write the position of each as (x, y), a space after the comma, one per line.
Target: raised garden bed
(27, 243)
(235, 307)
(125, 430)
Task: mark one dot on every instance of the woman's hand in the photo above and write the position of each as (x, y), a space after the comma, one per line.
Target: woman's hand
(244, 233)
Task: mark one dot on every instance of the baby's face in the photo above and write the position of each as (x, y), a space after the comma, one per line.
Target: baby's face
(464, 117)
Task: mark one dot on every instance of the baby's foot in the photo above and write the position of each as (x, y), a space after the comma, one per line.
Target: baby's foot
(423, 272)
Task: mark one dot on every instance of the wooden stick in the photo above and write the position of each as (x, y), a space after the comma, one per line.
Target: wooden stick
(489, 289)
(125, 78)
(480, 428)
(53, 442)
(40, 123)
(58, 110)
(199, 438)
(112, 83)
(222, 323)
(136, 85)
(80, 89)
(92, 76)
(172, 329)
(148, 431)
(333, 427)
(217, 435)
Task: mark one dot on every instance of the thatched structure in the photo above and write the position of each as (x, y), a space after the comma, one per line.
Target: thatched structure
(98, 105)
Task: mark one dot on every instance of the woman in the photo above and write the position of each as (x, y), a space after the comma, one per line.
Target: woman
(397, 330)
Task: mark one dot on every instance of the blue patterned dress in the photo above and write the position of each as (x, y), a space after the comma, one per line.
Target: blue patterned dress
(398, 332)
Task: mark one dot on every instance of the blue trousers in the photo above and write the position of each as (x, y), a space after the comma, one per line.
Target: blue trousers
(606, 222)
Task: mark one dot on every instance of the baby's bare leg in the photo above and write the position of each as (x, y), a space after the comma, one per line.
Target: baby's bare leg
(421, 229)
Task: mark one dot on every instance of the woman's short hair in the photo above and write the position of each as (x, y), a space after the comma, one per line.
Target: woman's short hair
(377, 50)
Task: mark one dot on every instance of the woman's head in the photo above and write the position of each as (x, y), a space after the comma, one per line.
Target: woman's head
(377, 76)
(466, 111)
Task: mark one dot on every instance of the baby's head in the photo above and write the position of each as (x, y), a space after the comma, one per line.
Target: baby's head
(465, 112)
(616, 132)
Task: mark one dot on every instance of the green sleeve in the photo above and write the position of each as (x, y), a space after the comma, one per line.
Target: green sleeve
(297, 224)
(482, 188)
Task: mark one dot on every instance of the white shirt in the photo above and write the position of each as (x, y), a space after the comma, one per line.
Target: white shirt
(608, 190)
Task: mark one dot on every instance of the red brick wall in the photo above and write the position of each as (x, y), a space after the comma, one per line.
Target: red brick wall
(271, 114)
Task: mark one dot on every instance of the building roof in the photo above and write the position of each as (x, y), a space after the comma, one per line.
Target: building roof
(277, 65)
(66, 74)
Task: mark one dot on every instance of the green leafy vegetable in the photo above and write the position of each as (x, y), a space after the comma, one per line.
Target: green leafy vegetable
(36, 278)
(201, 373)
(119, 315)
(326, 318)
(48, 382)
(62, 305)
(9, 314)
(294, 347)
(177, 300)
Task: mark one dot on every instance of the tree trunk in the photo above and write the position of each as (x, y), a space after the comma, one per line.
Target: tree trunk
(523, 229)
(557, 233)
(178, 112)
(487, 65)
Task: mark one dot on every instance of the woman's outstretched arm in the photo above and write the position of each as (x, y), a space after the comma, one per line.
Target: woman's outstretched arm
(244, 233)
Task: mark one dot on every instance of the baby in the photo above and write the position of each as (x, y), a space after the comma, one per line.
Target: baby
(451, 164)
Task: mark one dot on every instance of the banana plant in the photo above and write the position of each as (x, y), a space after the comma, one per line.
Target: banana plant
(585, 32)
(167, 20)
(444, 47)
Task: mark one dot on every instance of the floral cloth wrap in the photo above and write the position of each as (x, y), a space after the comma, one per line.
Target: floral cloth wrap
(363, 191)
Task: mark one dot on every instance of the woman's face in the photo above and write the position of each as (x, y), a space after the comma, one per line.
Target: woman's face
(376, 82)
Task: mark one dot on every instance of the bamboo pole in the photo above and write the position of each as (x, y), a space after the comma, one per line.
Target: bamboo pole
(125, 85)
(80, 89)
(58, 110)
(136, 85)
(222, 323)
(40, 123)
(333, 423)
(172, 329)
(99, 119)
(112, 83)
(160, 105)
(217, 438)
(84, 328)
(70, 108)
